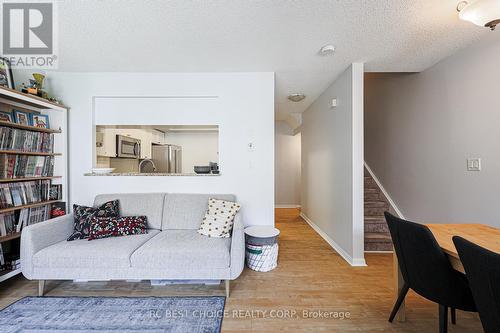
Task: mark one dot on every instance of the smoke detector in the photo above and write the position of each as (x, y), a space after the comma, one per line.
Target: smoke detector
(327, 50)
(296, 97)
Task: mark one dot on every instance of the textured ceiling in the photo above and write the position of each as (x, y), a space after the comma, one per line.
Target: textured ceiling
(275, 35)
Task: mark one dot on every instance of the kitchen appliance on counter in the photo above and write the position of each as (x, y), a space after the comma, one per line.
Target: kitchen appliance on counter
(167, 158)
(127, 147)
(213, 168)
(202, 169)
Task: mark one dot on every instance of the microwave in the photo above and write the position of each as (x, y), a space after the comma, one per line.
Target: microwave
(127, 147)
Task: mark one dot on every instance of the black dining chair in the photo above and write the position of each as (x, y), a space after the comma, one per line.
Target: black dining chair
(427, 271)
(482, 268)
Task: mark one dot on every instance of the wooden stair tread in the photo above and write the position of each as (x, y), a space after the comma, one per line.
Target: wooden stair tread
(376, 203)
(378, 237)
(375, 219)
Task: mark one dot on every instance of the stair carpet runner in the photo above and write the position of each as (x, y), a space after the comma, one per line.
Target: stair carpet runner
(377, 237)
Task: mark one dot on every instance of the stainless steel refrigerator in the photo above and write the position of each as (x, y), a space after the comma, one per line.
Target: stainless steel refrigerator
(167, 158)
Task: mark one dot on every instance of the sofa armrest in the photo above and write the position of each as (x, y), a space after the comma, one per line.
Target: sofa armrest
(237, 247)
(38, 236)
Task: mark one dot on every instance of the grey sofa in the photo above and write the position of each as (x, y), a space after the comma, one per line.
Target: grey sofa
(172, 249)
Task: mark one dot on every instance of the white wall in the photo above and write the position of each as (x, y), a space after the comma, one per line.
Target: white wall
(421, 128)
(287, 166)
(198, 147)
(242, 104)
(332, 165)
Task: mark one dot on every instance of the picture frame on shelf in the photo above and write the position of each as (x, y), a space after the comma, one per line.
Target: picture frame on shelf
(6, 117)
(40, 121)
(22, 118)
(6, 77)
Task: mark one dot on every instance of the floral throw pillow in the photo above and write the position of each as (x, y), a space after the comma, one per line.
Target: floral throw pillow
(104, 227)
(218, 221)
(83, 216)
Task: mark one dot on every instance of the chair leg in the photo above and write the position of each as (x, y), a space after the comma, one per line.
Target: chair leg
(401, 297)
(443, 319)
(227, 288)
(41, 286)
(453, 316)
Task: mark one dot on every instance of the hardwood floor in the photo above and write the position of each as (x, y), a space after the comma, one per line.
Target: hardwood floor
(310, 277)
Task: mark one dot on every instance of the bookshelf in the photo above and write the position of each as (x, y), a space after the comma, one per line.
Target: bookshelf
(9, 237)
(26, 179)
(36, 204)
(20, 152)
(11, 100)
(29, 128)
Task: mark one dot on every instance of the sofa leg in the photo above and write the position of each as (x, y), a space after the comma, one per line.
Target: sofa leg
(41, 286)
(227, 288)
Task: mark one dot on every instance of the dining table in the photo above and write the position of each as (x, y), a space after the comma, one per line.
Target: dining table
(483, 235)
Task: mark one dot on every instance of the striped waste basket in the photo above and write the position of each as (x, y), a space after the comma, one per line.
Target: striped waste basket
(261, 248)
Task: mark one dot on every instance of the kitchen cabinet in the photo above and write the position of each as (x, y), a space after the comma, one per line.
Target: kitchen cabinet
(106, 143)
(158, 137)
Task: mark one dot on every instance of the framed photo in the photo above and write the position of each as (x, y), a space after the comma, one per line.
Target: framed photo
(6, 116)
(21, 117)
(6, 78)
(41, 120)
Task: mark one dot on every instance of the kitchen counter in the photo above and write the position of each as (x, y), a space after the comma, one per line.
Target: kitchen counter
(153, 174)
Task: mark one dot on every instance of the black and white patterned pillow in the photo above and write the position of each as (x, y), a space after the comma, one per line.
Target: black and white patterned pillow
(83, 216)
(218, 221)
(222, 207)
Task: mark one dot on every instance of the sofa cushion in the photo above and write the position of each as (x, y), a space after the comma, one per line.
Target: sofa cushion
(186, 211)
(106, 253)
(186, 249)
(137, 204)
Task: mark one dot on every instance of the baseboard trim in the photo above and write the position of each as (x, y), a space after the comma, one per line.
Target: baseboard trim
(287, 206)
(379, 184)
(357, 262)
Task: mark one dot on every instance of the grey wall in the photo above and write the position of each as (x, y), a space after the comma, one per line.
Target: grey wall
(330, 179)
(287, 165)
(421, 128)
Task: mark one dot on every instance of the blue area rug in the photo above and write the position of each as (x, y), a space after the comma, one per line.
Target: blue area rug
(113, 314)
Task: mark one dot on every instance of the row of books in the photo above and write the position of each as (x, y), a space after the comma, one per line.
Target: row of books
(24, 193)
(25, 140)
(19, 166)
(13, 222)
(9, 261)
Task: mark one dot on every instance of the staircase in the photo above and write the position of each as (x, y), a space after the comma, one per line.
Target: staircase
(377, 237)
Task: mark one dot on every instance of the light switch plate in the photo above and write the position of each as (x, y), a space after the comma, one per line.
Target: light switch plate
(473, 164)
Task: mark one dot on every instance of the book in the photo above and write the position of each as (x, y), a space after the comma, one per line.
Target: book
(58, 209)
(55, 192)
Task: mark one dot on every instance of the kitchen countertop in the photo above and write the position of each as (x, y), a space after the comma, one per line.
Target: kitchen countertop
(153, 174)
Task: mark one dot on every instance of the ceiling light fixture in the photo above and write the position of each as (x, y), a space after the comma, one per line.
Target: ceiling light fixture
(484, 13)
(296, 97)
(327, 50)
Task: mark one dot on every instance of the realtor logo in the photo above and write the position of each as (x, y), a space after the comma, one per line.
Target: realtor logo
(28, 33)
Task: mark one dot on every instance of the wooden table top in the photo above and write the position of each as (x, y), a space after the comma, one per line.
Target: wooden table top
(480, 234)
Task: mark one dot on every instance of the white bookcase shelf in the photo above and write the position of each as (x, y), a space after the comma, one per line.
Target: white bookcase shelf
(58, 121)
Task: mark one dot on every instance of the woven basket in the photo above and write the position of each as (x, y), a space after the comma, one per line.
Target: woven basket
(262, 258)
